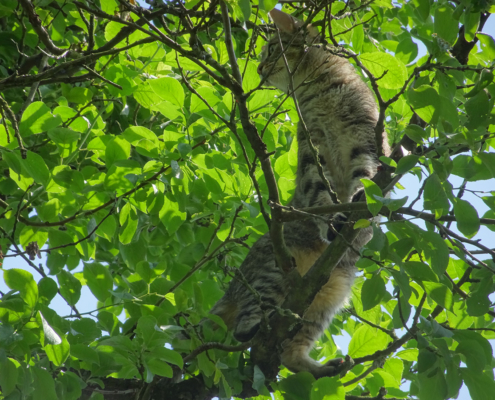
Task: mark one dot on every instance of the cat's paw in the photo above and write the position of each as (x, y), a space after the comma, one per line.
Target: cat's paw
(338, 222)
(336, 362)
(357, 196)
(331, 368)
(246, 330)
(334, 367)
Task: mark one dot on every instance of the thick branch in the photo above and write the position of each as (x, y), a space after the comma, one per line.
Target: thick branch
(462, 47)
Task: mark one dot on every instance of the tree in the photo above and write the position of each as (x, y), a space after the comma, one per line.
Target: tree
(142, 156)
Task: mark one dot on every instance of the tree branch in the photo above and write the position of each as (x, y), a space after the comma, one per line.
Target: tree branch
(6, 110)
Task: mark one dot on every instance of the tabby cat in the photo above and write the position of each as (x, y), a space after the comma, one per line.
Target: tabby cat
(340, 114)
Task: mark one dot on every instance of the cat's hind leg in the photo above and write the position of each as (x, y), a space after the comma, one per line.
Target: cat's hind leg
(327, 302)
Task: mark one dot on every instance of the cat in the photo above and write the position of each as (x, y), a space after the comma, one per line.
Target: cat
(340, 113)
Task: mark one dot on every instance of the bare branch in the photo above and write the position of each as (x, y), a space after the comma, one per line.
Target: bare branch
(35, 21)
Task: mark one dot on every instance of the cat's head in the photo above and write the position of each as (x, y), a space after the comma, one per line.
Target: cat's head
(294, 42)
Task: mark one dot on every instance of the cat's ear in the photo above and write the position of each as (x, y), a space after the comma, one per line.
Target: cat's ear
(285, 22)
(312, 34)
(288, 24)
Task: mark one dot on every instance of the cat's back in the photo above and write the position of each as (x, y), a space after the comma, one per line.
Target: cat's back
(334, 90)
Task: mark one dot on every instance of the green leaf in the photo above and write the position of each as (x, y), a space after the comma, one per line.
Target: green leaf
(471, 168)
(258, 379)
(478, 304)
(487, 44)
(150, 332)
(225, 392)
(297, 386)
(7, 8)
(170, 215)
(128, 221)
(366, 340)
(392, 204)
(71, 384)
(434, 195)
(436, 251)
(37, 118)
(79, 95)
(466, 336)
(407, 50)
(357, 38)
(481, 386)
(328, 389)
(474, 354)
(117, 149)
(85, 353)
(47, 289)
(158, 366)
(168, 355)
(109, 6)
(421, 9)
(372, 292)
(379, 63)
(426, 103)
(31, 234)
(21, 280)
(83, 330)
(99, 280)
(379, 239)
(245, 8)
(168, 89)
(420, 271)
(467, 218)
(8, 376)
(371, 189)
(408, 355)
(251, 78)
(58, 353)
(477, 108)
(432, 386)
(471, 23)
(12, 160)
(406, 163)
(362, 223)
(65, 139)
(112, 28)
(70, 287)
(208, 94)
(444, 24)
(440, 293)
(268, 5)
(35, 166)
(146, 96)
(43, 384)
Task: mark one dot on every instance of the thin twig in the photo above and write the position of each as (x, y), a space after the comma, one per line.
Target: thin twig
(6, 110)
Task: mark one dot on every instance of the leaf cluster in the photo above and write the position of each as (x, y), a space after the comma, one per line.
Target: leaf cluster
(138, 154)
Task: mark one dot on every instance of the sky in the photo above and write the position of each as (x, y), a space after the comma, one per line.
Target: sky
(410, 182)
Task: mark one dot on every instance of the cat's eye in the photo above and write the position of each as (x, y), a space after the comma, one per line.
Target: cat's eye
(271, 48)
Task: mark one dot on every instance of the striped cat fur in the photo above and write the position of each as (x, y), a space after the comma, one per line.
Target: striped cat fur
(340, 113)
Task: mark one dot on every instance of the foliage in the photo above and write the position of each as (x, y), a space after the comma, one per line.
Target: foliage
(134, 157)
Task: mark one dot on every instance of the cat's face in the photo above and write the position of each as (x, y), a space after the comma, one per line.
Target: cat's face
(290, 41)
(273, 67)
